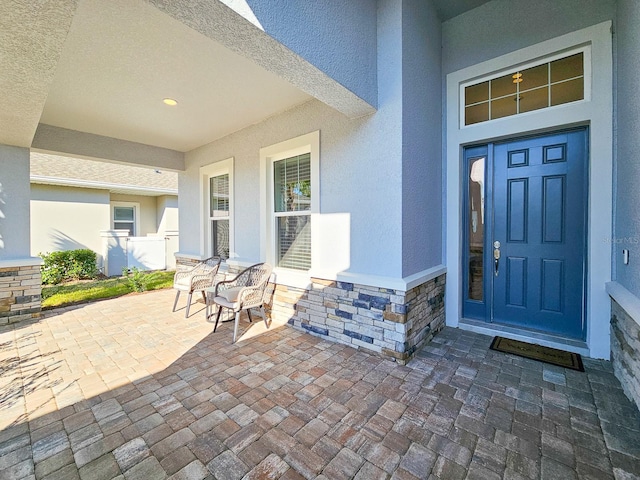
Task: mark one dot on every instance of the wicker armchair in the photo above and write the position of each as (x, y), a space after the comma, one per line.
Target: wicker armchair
(193, 279)
(243, 292)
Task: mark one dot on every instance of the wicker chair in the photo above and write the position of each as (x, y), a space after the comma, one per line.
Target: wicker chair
(193, 279)
(243, 292)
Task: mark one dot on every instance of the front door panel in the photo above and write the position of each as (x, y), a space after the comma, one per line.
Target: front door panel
(537, 245)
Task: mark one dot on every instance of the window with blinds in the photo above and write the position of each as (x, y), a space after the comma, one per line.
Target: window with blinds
(124, 219)
(292, 205)
(219, 215)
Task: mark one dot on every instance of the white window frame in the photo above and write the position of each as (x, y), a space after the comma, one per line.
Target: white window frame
(223, 167)
(309, 143)
(136, 215)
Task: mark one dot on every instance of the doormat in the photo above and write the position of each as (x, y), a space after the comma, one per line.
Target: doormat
(538, 352)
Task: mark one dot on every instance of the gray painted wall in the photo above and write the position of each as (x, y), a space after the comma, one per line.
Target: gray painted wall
(422, 140)
(337, 37)
(502, 26)
(14, 202)
(627, 193)
(360, 167)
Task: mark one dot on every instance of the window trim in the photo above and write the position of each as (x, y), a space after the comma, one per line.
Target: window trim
(222, 167)
(136, 215)
(308, 143)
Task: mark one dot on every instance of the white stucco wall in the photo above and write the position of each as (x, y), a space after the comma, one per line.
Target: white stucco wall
(166, 213)
(67, 218)
(503, 26)
(14, 202)
(311, 29)
(359, 178)
(360, 170)
(362, 176)
(627, 220)
(422, 139)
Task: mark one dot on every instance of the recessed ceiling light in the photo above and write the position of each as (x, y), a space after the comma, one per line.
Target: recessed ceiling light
(170, 101)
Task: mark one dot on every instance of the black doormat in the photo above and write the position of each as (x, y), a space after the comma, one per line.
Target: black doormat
(538, 352)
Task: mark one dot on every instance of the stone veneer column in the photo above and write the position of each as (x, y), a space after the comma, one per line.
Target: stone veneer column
(20, 290)
(625, 351)
(393, 323)
(20, 279)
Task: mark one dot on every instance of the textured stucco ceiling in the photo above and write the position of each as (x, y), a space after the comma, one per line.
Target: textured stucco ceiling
(32, 34)
(102, 68)
(121, 58)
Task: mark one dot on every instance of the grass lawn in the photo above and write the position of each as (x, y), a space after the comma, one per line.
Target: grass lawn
(73, 293)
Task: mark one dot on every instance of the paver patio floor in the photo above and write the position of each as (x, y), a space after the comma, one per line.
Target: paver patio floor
(126, 389)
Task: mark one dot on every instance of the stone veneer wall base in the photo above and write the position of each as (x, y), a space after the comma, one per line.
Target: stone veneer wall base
(391, 323)
(625, 351)
(20, 293)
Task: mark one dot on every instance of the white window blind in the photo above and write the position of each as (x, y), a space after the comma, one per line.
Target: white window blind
(292, 202)
(219, 215)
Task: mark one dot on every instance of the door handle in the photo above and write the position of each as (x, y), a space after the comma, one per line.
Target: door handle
(496, 258)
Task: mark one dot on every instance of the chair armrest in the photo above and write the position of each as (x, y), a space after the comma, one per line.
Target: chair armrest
(184, 272)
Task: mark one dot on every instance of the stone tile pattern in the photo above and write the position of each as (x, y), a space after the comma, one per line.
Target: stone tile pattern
(20, 293)
(625, 351)
(389, 322)
(133, 391)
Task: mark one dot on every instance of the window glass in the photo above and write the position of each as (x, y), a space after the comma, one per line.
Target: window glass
(219, 215)
(123, 214)
(476, 228)
(502, 86)
(477, 93)
(292, 184)
(569, 91)
(292, 194)
(534, 77)
(566, 68)
(294, 242)
(219, 188)
(534, 99)
(220, 237)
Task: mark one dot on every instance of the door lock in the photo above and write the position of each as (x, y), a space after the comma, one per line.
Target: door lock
(496, 257)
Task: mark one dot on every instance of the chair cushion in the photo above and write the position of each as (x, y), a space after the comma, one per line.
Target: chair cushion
(230, 295)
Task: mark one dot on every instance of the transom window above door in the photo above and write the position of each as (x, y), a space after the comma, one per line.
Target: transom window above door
(529, 88)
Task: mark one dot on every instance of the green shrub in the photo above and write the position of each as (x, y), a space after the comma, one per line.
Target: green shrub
(135, 279)
(68, 265)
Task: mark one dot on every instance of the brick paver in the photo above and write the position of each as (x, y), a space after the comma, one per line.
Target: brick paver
(126, 389)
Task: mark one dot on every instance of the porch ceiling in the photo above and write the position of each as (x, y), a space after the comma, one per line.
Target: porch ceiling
(103, 67)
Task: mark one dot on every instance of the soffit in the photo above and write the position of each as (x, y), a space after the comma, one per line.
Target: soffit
(121, 58)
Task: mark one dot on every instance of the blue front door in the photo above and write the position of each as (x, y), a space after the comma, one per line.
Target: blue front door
(534, 243)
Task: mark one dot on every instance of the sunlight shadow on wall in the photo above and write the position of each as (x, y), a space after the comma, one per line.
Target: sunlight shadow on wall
(331, 240)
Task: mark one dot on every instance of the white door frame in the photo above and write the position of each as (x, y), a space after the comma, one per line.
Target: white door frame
(597, 112)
